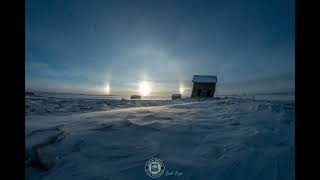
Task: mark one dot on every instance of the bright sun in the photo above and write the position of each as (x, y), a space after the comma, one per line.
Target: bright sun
(145, 88)
(107, 89)
(181, 89)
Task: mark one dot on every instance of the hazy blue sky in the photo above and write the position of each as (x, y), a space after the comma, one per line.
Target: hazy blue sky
(81, 45)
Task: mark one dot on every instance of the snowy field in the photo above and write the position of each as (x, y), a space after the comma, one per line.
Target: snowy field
(90, 138)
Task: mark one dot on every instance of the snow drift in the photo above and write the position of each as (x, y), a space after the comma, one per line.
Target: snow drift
(232, 139)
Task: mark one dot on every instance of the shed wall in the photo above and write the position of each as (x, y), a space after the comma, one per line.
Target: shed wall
(203, 90)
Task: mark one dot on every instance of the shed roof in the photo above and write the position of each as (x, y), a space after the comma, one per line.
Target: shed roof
(204, 79)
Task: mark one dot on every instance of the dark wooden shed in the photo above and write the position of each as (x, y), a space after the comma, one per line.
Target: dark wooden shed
(203, 86)
(135, 97)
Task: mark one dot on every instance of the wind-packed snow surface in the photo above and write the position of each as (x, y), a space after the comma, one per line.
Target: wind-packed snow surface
(221, 139)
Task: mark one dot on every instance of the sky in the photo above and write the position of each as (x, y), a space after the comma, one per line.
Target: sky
(81, 46)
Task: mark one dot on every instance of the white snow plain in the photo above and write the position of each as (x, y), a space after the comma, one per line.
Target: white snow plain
(110, 139)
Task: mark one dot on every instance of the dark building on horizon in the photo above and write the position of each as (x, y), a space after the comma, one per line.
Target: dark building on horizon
(203, 86)
(176, 96)
(135, 97)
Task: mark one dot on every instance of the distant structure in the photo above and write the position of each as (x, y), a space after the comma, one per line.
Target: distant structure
(135, 97)
(176, 96)
(203, 86)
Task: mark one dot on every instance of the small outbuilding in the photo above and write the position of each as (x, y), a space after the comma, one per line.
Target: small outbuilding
(176, 96)
(203, 86)
(135, 97)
